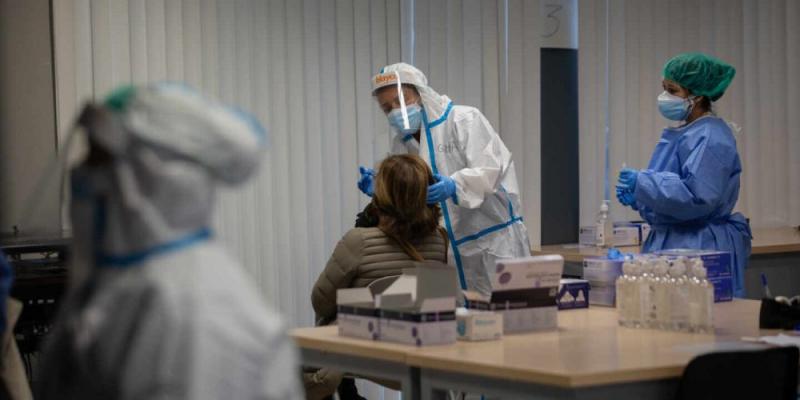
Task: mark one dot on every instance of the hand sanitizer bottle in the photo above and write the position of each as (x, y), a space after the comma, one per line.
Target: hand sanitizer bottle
(679, 295)
(604, 231)
(634, 297)
(646, 292)
(661, 295)
(624, 295)
(701, 294)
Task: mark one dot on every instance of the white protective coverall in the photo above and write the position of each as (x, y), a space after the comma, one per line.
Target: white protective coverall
(484, 221)
(158, 309)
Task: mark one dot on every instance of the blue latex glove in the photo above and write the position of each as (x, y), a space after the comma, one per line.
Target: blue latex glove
(615, 254)
(626, 198)
(443, 189)
(627, 179)
(367, 181)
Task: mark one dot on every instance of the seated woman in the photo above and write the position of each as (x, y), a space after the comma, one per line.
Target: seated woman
(407, 230)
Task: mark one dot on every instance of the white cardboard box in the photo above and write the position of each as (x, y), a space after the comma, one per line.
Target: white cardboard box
(417, 308)
(627, 236)
(524, 291)
(418, 328)
(642, 227)
(602, 274)
(478, 324)
(357, 315)
(624, 235)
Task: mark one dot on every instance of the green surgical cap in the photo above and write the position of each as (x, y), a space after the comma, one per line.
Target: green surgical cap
(118, 98)
(702, 74)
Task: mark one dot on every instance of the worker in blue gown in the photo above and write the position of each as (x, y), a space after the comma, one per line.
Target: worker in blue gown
(690, 188)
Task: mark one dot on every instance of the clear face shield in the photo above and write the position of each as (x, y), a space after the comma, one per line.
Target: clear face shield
(406, 119)
(403, 108)
(73, 152)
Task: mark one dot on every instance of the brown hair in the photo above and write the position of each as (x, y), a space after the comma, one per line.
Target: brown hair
(401, 190)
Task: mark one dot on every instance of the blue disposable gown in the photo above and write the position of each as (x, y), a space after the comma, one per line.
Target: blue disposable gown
(688, 192)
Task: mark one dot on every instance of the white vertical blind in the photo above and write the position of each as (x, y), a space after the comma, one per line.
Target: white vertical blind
(631, 40)
(302, 67)
(460, 46)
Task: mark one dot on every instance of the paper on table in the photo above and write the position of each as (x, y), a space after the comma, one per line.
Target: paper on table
(782, 340)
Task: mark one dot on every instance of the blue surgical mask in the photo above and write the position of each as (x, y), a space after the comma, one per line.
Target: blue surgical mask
(414, 112)
(673, 107)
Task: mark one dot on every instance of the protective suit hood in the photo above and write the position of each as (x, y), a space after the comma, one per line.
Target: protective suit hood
(434, 103)
(157, 308)
(164, 147)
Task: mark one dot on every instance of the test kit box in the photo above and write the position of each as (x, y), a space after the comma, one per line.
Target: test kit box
(419, 308)
(478, 325)
(718, 268)
(573, 293)
(587, 235)
(418, 328)
(357, 316)
(642, 231)
(627, 236)
(624, 235)
(524, 292)
(416, 308)
(602, 274)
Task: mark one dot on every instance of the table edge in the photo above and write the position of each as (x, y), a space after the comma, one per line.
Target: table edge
(572, 381)
(350, 349)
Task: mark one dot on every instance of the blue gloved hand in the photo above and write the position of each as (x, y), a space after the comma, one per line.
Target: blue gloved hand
(443, 189)
(614, 254)
(626, 197)
(627, 178)
(366, 183)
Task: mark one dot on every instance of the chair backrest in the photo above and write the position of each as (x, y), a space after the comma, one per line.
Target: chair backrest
(762, 374)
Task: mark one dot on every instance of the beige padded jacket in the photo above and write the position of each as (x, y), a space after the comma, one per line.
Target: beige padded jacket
(362, 256)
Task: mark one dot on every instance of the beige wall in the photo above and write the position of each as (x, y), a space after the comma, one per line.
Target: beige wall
(27, 116)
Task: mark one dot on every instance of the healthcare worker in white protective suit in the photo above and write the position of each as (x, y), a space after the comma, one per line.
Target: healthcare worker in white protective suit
(477, 185)
(157, 308)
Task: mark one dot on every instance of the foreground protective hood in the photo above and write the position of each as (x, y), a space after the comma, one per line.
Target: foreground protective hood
(163, 150)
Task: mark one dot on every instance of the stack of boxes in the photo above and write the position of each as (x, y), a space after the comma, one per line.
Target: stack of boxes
(524, 292)
(418, 308)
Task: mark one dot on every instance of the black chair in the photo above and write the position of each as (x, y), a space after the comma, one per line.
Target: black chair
(763, 374)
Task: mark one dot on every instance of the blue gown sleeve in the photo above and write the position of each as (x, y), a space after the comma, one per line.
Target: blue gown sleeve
(708, 161)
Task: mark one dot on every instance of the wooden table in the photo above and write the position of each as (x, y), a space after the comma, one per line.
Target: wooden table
(323, 347)
(776, 240)
(589, 356)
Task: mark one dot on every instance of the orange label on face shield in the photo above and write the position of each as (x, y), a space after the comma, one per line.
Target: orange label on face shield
(381, 79)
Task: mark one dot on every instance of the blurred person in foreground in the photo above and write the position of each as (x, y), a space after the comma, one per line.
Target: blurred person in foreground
(157, 309)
